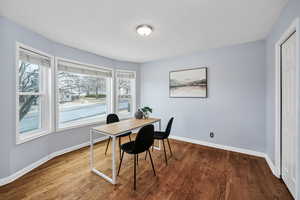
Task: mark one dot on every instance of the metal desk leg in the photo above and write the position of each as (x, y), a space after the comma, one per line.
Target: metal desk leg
(159, 143)
(112, 180)
(114, 160)
(91, 150)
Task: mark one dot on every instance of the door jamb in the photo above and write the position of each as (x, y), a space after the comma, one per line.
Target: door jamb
(294, 27)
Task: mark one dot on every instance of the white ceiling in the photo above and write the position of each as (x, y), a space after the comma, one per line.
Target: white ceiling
(107, 27)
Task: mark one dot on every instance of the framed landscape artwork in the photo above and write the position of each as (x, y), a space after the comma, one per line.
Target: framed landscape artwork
(188, 83)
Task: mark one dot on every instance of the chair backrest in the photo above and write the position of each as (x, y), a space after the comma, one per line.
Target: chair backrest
(144, 139)
(169, 126)
(112, 118)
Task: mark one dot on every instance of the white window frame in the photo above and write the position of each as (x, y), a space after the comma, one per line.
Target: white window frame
(88, 122)
(47, 105)
(133, 110)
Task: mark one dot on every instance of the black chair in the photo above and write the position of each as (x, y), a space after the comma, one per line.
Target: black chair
(160, 135)
(112, 118)
(143, 142)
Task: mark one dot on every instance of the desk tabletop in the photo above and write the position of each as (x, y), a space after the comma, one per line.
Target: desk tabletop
(124, 126)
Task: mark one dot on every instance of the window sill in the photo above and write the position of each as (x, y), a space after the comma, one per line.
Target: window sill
(125, 116)
(80, 125)
(26, 138)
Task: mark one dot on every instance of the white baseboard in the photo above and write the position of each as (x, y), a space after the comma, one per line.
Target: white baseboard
(229, 148)
(34, 165)
(219, 146)
(76, 147)
(23, 171)
(274, 170)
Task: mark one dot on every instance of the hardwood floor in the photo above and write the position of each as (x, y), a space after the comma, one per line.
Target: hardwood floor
(194, 172)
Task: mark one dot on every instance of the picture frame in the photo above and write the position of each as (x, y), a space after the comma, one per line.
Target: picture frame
(188, 83)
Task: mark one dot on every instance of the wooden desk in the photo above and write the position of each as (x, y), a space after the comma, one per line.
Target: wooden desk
(113, 130)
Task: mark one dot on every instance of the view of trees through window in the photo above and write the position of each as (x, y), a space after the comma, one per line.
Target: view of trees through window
(124, 96)
(29, 98)
(83, 97)
(80, 97)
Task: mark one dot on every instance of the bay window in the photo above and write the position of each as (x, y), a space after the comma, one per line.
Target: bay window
(33, 96)
(83, 93)
(125, 95)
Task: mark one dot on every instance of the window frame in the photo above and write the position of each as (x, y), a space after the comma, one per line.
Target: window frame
(49, 101)
(46, 94)
(83, 123)
(131, 114)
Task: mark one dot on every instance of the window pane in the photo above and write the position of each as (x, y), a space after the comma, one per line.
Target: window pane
(81, 97)
(29, 113)
(28, 77)
(125, 96)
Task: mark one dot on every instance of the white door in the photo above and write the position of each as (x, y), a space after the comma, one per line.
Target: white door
(288, 59)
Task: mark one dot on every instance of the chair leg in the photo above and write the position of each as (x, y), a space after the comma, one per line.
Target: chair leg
(169, 147)
(129, 138)
(165, 152)
(134, 173)
(120, 147)
(146, 155)
(120, 163)
(153, 145)
(152, 163)
(107, 145)
(137, 159)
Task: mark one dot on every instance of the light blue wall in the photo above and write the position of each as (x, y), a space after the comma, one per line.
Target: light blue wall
(15, 157)
(4, 102)
(290, 12)
(235, 107)
(288, 15)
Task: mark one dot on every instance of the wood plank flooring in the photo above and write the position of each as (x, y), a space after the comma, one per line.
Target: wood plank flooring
(194, 172)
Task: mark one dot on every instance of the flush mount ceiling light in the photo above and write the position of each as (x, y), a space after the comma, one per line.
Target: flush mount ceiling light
(144, 30)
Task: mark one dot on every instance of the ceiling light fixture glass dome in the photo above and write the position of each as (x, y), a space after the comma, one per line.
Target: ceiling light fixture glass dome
(144, 30)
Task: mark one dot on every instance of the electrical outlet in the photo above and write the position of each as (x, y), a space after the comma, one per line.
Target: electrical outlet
(211, 134)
